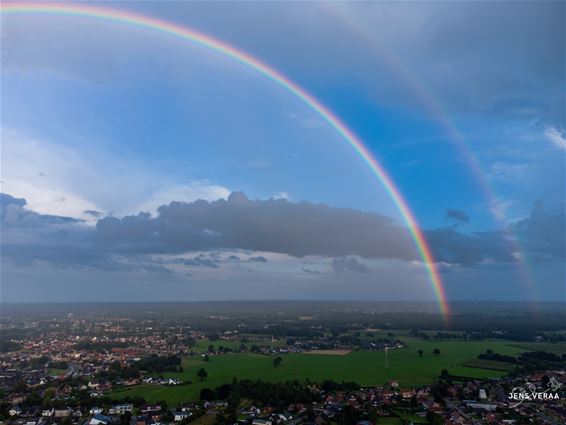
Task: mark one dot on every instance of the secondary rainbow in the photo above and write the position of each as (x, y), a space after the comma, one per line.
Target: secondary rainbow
(436, 110)
(244, 58)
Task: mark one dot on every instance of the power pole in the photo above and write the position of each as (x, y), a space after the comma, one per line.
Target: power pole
(386, 357)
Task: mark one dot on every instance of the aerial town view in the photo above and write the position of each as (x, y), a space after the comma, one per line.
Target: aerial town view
(280, 362)
(282, 212)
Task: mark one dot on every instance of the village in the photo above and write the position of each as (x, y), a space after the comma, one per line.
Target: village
(79, 371)
(474, 402)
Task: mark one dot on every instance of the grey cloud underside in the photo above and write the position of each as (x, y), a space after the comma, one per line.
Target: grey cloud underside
(346, 264)
(457, 217)
(257, 259)
(60, 241)
(543, 233)
(310, 271)
(198, 261)
(93, 213)
(296, 229)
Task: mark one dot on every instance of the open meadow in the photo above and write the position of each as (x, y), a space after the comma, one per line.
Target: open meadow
(362, 367)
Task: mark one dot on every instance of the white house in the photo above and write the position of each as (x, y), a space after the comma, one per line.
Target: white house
(100, 420)
(15, 411)
(179, 416)
(120, 409)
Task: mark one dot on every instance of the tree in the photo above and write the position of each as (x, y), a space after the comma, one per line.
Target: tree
(126, 418)
(277, 361)
(211, 348)
(221, 419)
(202, 374)
(48, 395)
(206, 358)
(434, 418)
(20, 386)
(420, 353)
(436, 352)
(167, 417)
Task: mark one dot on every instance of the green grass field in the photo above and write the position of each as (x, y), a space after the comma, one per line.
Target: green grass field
(489, 364)
(558, 348)
(363, 367)
(56, 372)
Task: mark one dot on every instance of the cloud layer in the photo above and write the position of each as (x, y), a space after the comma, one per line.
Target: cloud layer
(273, 225)
(277, 226)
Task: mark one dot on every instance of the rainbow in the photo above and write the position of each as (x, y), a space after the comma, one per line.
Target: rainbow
(145, 22)
(435, 109)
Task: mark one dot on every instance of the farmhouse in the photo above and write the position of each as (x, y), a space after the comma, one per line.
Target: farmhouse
(179, 416)
(100, 420)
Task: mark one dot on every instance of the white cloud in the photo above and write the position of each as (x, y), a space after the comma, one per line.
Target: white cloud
(281, 195)
(499, 208)
(40, 173)
(200, 189)
(556, 137)
(57, 179)
(306, 120)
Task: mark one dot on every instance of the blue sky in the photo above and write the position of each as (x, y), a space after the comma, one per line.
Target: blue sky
(99, 116)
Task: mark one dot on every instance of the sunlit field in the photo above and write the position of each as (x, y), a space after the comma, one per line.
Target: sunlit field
(363, 367)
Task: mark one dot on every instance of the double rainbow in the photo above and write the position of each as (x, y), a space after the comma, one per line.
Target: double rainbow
(248, 60)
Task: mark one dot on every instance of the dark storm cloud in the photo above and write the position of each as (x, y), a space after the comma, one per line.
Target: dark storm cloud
(60, 241)
(457, 217)
(451, 246)
(543, 233)
(257, 259)
(93, 213)
(310, 271)
(198, 261)
(296, 229)
(541, 237)
(348, 264)
(499, 59)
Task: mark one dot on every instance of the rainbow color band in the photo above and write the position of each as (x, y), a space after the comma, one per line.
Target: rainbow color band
(274, 75)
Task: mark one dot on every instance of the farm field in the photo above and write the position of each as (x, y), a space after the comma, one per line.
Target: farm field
(329, 352)
(558, 348)
(489, 364)
(56, 372)
(202, 344)
(363, 367)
